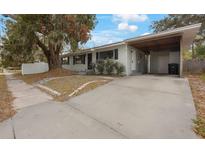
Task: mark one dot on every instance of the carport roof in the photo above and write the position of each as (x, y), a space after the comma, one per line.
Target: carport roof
(186, 33)
(177, 31)
(169, 39)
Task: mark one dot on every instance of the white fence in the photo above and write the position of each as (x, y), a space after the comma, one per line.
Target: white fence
(34, 68)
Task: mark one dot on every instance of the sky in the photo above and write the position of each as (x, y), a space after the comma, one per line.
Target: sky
(2, 25)
(114, 28)
(117, 27)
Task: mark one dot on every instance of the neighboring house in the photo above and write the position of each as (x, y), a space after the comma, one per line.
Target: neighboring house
(159, 53)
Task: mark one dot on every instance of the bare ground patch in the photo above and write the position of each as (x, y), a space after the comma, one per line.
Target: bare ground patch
(32, 78)
(69, 84)
(64, 82)
(197, 83)
(6, 108)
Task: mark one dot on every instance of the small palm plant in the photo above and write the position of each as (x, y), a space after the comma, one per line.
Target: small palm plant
(119, 68)
(109, 66)
(100, 66)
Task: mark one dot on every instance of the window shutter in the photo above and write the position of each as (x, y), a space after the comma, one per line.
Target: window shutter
(97, 55)
(73, 60)
(83, 59)
(116, 53)
(68, 60)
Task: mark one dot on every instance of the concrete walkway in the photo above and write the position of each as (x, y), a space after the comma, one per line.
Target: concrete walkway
(25, 94)
(38, 116)
(53, 120)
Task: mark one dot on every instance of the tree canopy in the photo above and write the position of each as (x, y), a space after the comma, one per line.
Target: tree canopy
(179, 20)
(49, 33)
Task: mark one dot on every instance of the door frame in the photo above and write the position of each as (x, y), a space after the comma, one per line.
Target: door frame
(89, 61)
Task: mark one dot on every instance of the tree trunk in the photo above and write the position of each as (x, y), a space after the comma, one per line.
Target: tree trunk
(54, 60)
(52, 55)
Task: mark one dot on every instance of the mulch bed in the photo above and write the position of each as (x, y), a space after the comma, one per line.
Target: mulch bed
(6, 108)
(197, 84)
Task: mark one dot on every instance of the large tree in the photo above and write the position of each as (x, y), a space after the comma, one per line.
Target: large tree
(50, 33)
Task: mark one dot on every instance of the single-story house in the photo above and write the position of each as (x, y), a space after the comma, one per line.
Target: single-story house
(158, 53)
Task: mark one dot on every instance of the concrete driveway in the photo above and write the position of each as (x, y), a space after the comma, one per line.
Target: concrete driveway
(131, 107)
(142, 106)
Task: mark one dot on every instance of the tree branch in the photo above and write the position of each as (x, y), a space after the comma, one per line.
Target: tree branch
(42, 46)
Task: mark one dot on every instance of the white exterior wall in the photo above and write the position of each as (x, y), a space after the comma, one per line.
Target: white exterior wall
(129, 59)
(121, 53)
(159, 60)
(174, 57)
(34, 68)
(132, 61)
(76, 67)
(122, 58)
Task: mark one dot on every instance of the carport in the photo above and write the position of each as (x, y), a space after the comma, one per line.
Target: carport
(164, 50)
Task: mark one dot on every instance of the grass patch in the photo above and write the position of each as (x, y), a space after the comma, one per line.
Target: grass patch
(67, 85)
(89, 87)
(64, 81)
(32, 78)
(198, 91)
(6, 108)
(70, 83)
(200, 127)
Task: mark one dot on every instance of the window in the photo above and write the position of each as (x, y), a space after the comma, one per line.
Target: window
(110, 54)
(116, 54)
(80, 59)
(106, 54)
(65, 60)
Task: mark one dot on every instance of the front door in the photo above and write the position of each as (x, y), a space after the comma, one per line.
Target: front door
(140, 62)
(89, 61)
(133, 60)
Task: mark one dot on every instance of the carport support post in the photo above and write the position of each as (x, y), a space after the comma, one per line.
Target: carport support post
(148, 63)
(181, 58)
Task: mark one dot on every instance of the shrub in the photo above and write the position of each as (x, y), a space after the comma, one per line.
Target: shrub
(109, 66)
(100, 65)
(119, 68)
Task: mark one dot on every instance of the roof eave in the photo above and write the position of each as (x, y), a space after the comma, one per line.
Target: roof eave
(178, 31)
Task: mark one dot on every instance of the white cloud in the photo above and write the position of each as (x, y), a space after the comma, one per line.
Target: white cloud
(147, 33)
(130, 17)
(104, 37)
(133, 28)
(126, 26)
